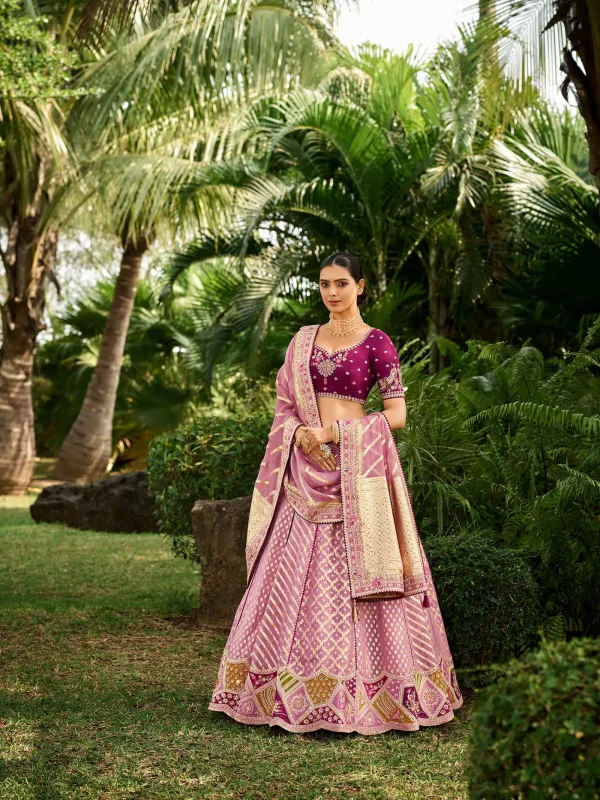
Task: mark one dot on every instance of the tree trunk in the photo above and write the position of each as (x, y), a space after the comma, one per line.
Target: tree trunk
(489, 67)
(381, 274)
(28, 258)
(581, 19)
(487, 10)
(86, 451)
(438, 318)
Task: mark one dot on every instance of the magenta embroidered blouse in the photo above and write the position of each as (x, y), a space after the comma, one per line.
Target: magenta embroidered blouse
(351, 372)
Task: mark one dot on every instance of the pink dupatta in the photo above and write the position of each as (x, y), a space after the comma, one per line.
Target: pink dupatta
(382, 542)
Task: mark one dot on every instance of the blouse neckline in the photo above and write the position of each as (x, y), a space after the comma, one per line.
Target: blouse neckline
(342, 349)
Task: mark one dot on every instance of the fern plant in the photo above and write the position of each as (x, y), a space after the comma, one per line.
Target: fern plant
(507, 441)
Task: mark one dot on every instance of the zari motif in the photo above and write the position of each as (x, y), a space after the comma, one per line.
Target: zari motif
(377, 528)
(339, 626)
(297, 703)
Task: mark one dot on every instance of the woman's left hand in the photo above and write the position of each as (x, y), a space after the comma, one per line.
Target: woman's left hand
(311, 438)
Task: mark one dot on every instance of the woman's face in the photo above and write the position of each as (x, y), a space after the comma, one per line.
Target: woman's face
(338, 288)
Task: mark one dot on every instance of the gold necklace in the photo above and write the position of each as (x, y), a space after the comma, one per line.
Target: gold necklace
(342, 327)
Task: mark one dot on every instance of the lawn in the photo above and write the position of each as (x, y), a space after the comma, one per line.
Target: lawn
(104, 686)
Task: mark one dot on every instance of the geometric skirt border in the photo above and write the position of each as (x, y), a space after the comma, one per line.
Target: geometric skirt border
(300, 704)
(301, 656)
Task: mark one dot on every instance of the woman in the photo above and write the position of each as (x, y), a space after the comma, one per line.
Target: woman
(339, 626)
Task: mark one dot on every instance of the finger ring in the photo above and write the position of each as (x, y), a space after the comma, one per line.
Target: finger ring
(325, 448)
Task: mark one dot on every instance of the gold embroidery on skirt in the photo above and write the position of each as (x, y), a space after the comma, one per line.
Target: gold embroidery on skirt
(235, 675)
(266, 699)
(320, 688)
(389, 709)
(439, 680)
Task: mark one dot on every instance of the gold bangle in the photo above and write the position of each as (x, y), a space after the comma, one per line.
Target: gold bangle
(335, 432)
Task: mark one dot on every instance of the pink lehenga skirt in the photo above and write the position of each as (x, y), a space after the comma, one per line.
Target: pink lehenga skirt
(301, 657)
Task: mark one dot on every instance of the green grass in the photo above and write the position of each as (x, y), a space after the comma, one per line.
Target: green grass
(103, 690)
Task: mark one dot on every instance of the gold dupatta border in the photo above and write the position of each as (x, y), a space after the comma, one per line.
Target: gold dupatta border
(406, 577)
(261, 511)
(314, 511)
(414, 577)
(358, 539)
(303, 385)
(411, 548)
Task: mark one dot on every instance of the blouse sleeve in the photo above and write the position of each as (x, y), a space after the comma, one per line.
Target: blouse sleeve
(386, 367)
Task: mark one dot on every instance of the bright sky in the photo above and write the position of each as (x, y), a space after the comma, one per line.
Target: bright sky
(397, 23)
(423, 23)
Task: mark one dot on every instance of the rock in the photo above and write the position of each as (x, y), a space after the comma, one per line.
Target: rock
(220, 528)
(117, 504)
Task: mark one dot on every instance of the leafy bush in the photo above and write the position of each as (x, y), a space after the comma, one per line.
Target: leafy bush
(213, 458)
(488, 597)
(505, 440)
(536, 733)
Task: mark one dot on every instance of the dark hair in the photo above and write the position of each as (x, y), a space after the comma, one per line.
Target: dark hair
(351, 263)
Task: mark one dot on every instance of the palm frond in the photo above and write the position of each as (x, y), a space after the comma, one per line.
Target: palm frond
(554, 417)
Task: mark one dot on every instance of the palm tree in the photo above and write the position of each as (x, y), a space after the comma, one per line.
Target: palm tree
(155, 387)
(331, 167)
(37, 160)
(554, 212)
(565, 32)
(378, 163)
(464, 254)
(201, 57)
(87, 449)
(34, 154)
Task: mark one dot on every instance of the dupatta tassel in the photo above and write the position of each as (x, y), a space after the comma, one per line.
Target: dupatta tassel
(425, 601)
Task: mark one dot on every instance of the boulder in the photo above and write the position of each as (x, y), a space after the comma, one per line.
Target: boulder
(220, 528)
(117, 504)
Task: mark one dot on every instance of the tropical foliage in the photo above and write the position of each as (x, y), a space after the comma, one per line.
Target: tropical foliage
(242, 143)
(172, 174)
(506, 441)
(501, 444)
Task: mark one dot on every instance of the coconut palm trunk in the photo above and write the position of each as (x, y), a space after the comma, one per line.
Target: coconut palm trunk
(28, 259)
(87, 450)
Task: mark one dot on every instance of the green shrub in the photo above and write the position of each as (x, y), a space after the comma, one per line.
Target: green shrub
(488, 598)
(536, 733)
(504, 439)
(214, 458)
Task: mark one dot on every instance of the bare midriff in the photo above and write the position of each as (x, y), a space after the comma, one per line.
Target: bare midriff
(332, 408)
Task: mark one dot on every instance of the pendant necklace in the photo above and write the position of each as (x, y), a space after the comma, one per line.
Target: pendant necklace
(338, 327)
